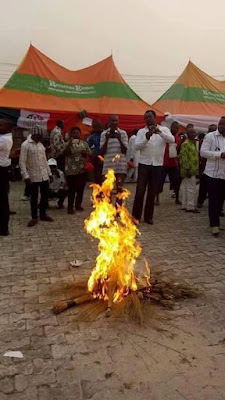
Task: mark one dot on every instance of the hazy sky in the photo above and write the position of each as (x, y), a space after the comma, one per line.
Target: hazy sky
(146, 37)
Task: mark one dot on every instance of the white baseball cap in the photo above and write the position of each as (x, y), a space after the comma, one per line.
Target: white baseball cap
(52, 162)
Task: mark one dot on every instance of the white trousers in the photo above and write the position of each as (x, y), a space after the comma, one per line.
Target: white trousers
(188, 190)
(132, 172)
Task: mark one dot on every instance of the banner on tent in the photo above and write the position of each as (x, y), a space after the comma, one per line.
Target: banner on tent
(29, 118)
(200, 122)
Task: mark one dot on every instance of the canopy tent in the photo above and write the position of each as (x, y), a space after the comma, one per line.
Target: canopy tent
(45, 90)
(195, 98)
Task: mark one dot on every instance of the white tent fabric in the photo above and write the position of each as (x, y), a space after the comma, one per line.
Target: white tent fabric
(200, 122)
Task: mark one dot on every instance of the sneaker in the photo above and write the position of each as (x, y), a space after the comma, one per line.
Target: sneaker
(47, 218)
(199, 205)
(178, 202)
(12, 212)
(215, 230)
(25, 198)
(32, 222)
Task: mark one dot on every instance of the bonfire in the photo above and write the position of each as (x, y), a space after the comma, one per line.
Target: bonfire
(113, 277)
(112, 280)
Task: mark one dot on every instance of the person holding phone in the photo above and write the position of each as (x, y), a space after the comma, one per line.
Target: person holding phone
(113, 147)
(151, 141)
(75, 153)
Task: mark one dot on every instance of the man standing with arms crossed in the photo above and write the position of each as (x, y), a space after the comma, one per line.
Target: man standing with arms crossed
(151, 141)
(213, 149)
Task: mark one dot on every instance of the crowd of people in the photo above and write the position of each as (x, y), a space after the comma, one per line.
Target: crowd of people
(146, 158)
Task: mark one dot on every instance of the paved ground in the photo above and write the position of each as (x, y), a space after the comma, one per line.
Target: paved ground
(176, 355)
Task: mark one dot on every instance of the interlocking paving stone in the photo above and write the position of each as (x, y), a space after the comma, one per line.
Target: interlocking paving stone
(175, 355)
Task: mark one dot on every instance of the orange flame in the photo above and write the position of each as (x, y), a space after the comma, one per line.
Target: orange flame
(113, 275)
(147, 276)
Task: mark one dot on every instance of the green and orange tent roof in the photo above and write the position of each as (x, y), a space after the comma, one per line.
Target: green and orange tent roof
(194, 93)
(41, 84)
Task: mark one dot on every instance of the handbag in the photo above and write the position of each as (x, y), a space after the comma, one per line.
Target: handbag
(172, 150)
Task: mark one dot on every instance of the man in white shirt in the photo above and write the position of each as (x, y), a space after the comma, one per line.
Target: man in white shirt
(151, 141)
(203, 187)
(36, 172)
(213, 149)
(6, 143)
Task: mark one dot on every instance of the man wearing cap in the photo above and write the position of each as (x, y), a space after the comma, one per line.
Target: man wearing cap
(57, 189)
(36, 172)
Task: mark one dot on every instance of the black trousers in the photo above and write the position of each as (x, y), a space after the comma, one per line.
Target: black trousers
(150, 178)
(203, 189)
(44, 188)
(4, 199)
(61, 194)
(98, 165)
(27, 190)
(174, 177)
(216, 190)
(61, 162)
(76, 185)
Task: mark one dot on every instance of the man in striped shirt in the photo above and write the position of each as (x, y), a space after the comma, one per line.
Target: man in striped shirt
(113, 146)
(36, 173)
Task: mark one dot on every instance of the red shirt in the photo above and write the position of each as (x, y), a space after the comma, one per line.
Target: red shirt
(171, 162)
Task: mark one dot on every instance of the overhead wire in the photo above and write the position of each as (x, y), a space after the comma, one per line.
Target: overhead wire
(144, 85)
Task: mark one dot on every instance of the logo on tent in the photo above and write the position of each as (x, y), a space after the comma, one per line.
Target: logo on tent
(35, 117)
(28, 118)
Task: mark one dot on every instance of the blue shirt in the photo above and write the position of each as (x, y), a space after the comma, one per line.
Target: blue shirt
(94, 141)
